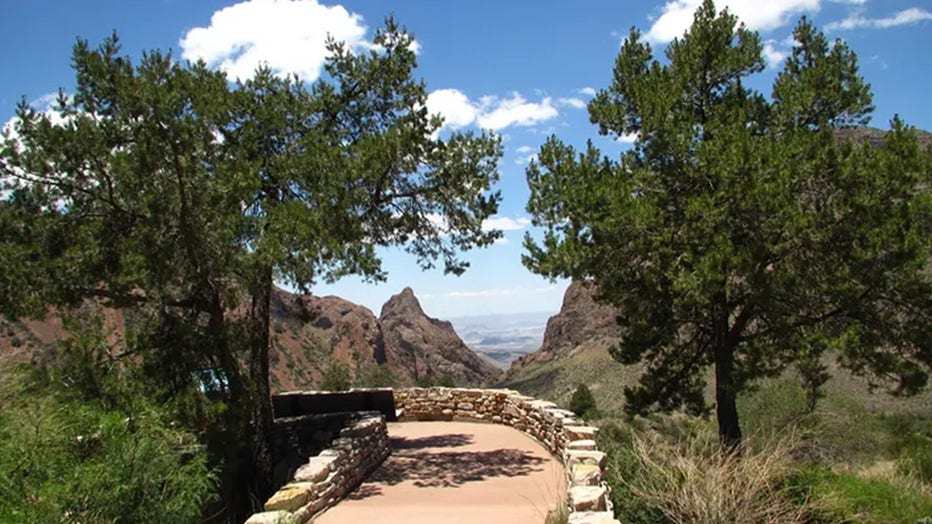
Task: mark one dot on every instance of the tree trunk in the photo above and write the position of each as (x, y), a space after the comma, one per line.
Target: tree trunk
(726, 408)
(261, 293)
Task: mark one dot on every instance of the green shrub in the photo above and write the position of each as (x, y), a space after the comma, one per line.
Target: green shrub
(849, 497)
(695, 481)
(617, 443)
(378, 376)
(583, 403)
(915, 458)
(63, 460)
(336, 377)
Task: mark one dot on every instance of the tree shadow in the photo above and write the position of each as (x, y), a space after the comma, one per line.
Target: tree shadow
(453, 469)
(453, 440)
(365, 491)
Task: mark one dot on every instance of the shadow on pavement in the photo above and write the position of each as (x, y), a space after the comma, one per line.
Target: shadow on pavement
(452, 469)
(453, 440)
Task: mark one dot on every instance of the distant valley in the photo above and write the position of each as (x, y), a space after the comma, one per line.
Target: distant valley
(502, 339)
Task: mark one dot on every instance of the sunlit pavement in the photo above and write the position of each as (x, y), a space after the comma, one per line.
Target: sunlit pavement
(456, 473)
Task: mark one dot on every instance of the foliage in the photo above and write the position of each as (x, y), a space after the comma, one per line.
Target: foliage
(739, 233)
(676, 472)
(377, 376)
(848, 497)
(335, 377)
(162, 186)
(583, 403)
(63, 459)
(616, 441)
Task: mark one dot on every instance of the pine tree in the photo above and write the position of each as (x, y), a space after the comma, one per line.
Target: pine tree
(739, 232)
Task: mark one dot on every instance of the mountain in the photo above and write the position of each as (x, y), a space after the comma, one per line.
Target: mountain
(308, 335)
(581, 319)
(575, 351)
(420, 346)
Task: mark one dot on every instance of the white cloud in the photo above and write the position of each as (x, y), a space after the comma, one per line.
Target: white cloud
(287, 35)
(515, 111)
(454, 106)
(588, 91)
(489, 112)
(523, 160)
(501, 241)
(677, 15)
(629, 138)
(774, 55)
(572, 102)
(506, 223)
(858, 20)
(524, 150)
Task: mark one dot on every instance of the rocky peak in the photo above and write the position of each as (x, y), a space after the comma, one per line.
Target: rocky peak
(427, 347)
(404, 303)
(582, 317)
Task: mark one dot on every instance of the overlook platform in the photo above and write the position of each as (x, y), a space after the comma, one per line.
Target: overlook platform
(456, 473)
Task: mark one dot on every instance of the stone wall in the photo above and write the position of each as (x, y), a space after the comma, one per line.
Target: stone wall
(324, 479)
(558, 430)
(363, 444)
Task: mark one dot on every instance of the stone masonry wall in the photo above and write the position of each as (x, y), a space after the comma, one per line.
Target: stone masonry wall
(330, 475)
(362, 446)
(558, 430)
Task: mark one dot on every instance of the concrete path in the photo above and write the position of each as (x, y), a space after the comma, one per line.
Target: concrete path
(456, 473)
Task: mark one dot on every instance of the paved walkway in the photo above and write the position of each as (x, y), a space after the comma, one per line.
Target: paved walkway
(456, 473)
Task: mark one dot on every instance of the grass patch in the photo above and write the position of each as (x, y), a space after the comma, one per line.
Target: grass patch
(852, 497)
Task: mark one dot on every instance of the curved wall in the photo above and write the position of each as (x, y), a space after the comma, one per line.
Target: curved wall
(336, 471)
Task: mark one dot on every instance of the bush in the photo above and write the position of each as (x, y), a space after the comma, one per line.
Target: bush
(378, 376)
(583, 403)
(617, 443)
(915, 459)
(336, 377)
(696, 481)
(63, 460)
(849, 497)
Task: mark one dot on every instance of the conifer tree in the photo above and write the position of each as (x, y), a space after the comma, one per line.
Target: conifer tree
(740, 233)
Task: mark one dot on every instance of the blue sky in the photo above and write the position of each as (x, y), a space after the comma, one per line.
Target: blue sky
(523, 69)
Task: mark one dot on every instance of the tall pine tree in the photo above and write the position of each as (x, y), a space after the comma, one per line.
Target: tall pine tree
(739, 233)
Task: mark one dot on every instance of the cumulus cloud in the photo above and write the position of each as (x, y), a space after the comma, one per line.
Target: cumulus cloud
(774, 55)
(677, 15)
(525, 155)
(629, 138)
(516, 110)
(587, 91)
(287, 35)
(573, 102)
(455, 107)
(506, 223)
(488, 112)
(857, 20)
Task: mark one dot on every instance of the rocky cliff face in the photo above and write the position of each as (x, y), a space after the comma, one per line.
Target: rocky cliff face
(422, 347)
(581, 318)
(308, 334)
